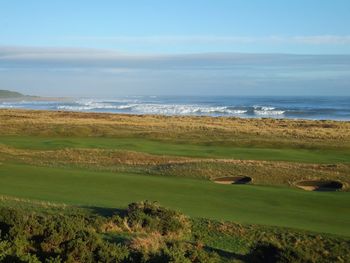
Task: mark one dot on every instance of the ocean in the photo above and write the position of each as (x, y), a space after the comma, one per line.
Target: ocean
(315, 108)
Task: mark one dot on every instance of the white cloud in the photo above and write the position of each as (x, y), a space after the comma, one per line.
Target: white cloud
(323, 40)
(112, 61)
(78, 71)
(207, 39)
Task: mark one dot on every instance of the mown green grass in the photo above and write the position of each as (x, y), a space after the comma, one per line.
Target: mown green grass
(327, 212)
(183, 149)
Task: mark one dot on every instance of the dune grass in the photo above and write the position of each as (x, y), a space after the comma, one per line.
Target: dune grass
(279, 206)
(180, 149)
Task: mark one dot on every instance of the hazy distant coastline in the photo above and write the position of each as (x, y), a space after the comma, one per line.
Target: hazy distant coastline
(14, 96)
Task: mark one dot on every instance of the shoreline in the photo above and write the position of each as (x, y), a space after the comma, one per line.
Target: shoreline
(244, 108)
(169, 115)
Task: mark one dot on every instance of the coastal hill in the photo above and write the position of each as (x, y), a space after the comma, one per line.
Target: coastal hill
(10, 94)
(14, 95)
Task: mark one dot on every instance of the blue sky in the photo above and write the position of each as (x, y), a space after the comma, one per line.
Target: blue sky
(298, 26)
(114, 45)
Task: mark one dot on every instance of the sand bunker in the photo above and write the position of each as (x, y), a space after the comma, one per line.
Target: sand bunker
(233, 180)
(319, 185)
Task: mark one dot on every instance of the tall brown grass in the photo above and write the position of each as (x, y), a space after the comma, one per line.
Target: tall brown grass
(278, 132)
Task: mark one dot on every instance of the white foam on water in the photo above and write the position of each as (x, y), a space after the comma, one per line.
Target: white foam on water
(6, 106)
(125, 107)
(134, 106)
(269, 112)
(178, 109)
(74, 108)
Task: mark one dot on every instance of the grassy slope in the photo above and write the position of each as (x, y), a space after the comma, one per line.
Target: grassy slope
(10, 94)
(189, 150)
(315, 211)
(296, 141)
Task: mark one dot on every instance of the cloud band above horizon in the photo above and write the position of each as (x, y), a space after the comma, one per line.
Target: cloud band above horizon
(209, 73)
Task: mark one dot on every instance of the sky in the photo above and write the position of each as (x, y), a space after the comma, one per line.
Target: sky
(157, 47)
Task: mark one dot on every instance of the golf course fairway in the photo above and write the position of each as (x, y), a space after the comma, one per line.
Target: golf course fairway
(326, 212)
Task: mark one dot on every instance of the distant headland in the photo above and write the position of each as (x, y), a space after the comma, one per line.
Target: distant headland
(8, 95)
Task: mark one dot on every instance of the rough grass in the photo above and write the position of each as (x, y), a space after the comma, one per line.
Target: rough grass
(267, 133)
(238, 239)
(263, 172)
(183, 149)
(279, 206)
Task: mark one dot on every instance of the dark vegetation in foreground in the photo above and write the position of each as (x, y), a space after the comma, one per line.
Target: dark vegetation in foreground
(147, 232)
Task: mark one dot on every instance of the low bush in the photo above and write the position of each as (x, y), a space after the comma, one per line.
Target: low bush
(176, 252)
(54, 238)
(37, 237)
(152, 217)
(147, 232)
(264, 252)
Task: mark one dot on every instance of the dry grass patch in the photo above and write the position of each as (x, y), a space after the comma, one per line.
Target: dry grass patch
(150, 243)
(94, 157)
(263, 172)
(216, 129)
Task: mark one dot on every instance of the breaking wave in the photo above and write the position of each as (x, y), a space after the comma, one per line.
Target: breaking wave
(176, 109)
(135, 106)
(196, 106)
(267, 111)
(152, 108)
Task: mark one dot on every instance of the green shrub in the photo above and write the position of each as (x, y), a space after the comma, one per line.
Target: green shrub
(265, 252)
(152, 217)
(176, 252)
(54, 238)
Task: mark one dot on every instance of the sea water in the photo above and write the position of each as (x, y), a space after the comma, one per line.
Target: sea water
(316, 108)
